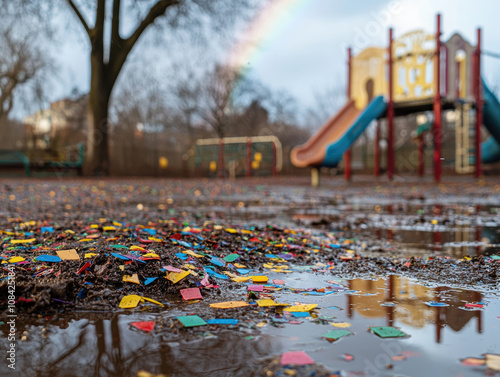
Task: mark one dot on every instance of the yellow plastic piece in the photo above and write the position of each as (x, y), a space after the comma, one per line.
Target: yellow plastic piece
(192, 253)
(131, 279)
(269, 302)
(16, 259)
(176, 277)
(30, 240)
(341, 324)
(70, 254)
(301, 308)
(151, 255)
(242, 279)
(153, 301)
(229, 304)
(259, 279)
(137, 248)
(130, 301)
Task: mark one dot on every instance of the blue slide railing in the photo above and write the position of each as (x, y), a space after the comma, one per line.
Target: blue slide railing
(336, 150)
(490, 149)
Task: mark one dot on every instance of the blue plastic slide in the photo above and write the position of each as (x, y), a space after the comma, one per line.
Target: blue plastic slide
(490, 149)
(335, 151)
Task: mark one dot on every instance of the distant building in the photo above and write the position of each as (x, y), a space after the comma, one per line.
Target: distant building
(61, 124)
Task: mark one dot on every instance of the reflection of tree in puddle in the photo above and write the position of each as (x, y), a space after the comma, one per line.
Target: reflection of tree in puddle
(110, 348)
(410, 308)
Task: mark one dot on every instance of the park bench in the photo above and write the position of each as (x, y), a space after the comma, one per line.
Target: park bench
(68, 158)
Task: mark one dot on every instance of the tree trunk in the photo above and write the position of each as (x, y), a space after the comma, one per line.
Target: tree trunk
(97, 158)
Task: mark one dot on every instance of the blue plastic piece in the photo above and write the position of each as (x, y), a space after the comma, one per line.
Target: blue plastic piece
(300, 314)
(47, 229)
(336, 150)
(216, 274)
(437, 304)
(243, 271)
(82, 294)
(218, 262)
(48, 258)
(120, 256)
(184, 243)
(182, 256)
(222, 321)
(149, 280)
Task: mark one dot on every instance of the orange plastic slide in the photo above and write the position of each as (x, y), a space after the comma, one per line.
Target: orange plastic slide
(313, 152)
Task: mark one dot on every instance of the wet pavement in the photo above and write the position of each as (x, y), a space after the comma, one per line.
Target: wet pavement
(445, 317)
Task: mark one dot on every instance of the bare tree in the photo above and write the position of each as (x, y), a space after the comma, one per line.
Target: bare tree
(217, 105)
(327, 102)
(109, 51)
(22, 64)
(186, 94)
(225, 94)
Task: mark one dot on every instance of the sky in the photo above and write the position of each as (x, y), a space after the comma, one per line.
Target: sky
(305, 51)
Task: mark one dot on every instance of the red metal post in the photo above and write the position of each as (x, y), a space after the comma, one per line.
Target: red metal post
(479, 104)
(347, 163)
(377, 150)
(473, 76)
(437, 105)
(249, 158)
(220, 164)
(421, 156)
(390, 117)
(347, 154)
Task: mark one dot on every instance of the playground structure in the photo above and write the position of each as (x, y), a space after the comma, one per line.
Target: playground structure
(239, 156)
(417, 73)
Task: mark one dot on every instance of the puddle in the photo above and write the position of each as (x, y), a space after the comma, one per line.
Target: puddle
(106, 345)
(382, 221)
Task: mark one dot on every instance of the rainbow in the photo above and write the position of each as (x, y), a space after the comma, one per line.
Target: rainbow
(263, 29)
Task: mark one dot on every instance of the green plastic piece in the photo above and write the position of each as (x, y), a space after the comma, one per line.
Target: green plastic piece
(191, 320)
(336, 334)
(387, 332)
(231, 257)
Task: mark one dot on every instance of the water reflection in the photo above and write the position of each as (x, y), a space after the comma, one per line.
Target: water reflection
(106, 345)
(109, 347)
(401, 299)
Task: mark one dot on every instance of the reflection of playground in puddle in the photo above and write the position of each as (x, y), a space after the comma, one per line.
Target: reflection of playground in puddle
(401, 299)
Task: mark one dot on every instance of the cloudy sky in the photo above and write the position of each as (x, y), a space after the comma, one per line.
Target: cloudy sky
(305, 48)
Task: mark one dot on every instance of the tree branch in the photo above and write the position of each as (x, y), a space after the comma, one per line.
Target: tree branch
(115, 28)
(156, 11)
(118, 56)
(100, 19)
(80, 17)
